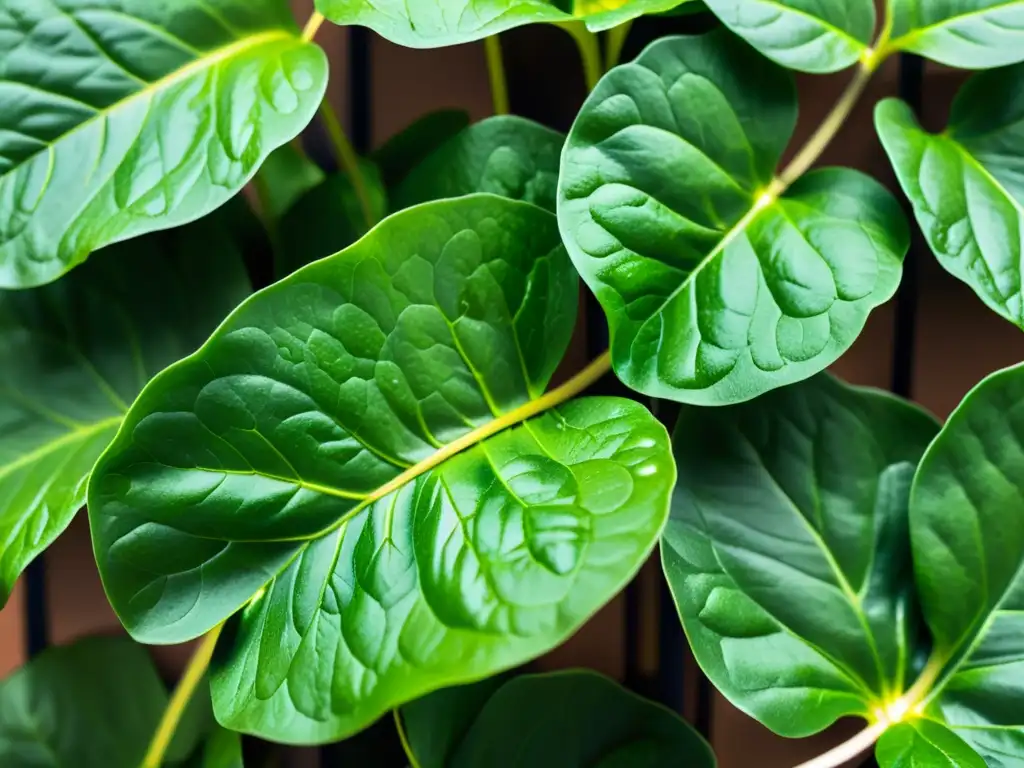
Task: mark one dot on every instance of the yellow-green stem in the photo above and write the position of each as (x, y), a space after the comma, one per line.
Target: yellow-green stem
(496, 69)
(349, 161)
(312, 27)
(402, 737)
(849, 750)
(194, 673)
(590, 51)
(615, 42)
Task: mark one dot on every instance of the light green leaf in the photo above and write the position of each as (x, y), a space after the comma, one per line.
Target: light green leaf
(971, 34)
(572, 719)
(967, 529)
(93, 704)
(925, 744)
(716, 288)
(122, 117)
(327, 219)
(451, 22)
(283, 179)
(507, 156)
(410, 146)
(342, 459)
(73, 355)
(788, 554)
(809, 35)
(967, 184)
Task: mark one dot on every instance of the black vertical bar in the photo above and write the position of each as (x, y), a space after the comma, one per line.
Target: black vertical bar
(37, 631)
(360, 88)
(911, 90)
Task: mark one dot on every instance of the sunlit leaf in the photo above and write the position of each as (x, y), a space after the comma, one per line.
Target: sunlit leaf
(972, 34)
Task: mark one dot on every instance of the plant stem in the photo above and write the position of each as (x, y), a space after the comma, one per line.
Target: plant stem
(194, 672)
(849, 750)
(496, 69)
(590, 51)
(312, 27)
(615, 42)
(413, 762)
(348, 160)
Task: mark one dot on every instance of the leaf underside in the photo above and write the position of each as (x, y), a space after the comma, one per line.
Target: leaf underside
(971, 34)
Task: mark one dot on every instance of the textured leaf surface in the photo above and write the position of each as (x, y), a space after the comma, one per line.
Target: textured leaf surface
(507, 156)
(808, 35)
(967, 527)
(925, 744)
(327, 219)
(788, 552)
(435, 23)
(410, 146)
(121, 117)
(571, 719)
(715, 289)
(972, 34)
(268, 464)
(967, 184)
(73, 355)
(94, 704)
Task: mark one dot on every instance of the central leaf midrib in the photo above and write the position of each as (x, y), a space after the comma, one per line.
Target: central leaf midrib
(819, 21)
(210, 60)
(69, 438)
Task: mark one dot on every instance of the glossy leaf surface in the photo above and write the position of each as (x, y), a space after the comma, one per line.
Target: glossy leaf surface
(397, 156)
(716, 290)
(327, 219)
(570, 719)
(966, 184)
(302, 457)
(506, 155)
(808, 35)
(967, 527)
(971, 34)
(122, 117)
(450, 22)
(74, 355)
(925, 744)
(93, 704)
(788, 552)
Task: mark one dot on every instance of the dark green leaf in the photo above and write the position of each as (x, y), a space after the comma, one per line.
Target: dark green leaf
(285, 177)
(301, 465)
(406, 149)
(222, 749)
(967, 528)
(570, 719)
(967, 185)
(809, 35)
(73, 356)
(94, 704)
(788, 552)
(717, 289)
(972, 34)
(122, 117)
(450, 22)
(925, 744)
(507, 156)
(327, 219)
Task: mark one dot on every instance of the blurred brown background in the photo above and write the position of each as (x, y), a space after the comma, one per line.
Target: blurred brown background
(957, 340)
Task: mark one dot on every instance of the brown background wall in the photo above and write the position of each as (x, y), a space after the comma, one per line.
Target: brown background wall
(958, 342)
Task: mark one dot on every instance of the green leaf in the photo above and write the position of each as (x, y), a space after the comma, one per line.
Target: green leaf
(716, 288)
(283, 179)
(122, 117)
(74, 354)
(451, 22)
(93, 704)
(925, 744)
(507, 156)
(327, 219)
(971, 34)
(788, 554)
(573, 719)
(967, 529)
(222, 749)
(409, 147)
(966, 184)
(809, 35)
(341, 458)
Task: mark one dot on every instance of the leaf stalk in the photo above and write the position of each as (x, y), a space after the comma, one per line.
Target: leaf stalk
(349, 161)
(849, 750)
(194, 673)
(616, 41)
(312, 27)
(404, 739)
(590, 51)
(496, 70)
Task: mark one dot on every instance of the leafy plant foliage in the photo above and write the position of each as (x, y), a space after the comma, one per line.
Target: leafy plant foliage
(973, 34)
